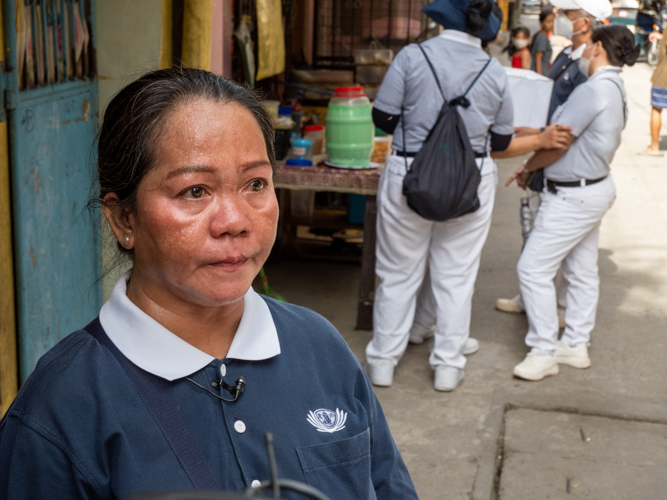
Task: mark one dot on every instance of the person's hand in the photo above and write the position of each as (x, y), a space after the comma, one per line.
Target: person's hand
(520, 176)
(654, 36)
(555, 137)
(525, 131)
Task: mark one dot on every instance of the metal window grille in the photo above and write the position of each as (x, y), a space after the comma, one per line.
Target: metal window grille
(342, 26)
(54, 41)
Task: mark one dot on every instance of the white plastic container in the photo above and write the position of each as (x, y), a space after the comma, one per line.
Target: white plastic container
(531, 96)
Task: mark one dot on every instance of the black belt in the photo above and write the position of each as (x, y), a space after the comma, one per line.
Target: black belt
(552, 185)
(396, 152)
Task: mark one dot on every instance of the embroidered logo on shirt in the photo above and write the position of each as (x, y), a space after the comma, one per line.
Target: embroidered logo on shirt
(326, 420)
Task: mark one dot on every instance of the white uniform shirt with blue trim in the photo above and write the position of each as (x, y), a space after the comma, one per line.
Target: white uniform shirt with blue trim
(410, 88)
(597, 111)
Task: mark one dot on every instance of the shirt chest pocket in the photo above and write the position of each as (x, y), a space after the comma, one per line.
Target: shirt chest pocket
(341, 469)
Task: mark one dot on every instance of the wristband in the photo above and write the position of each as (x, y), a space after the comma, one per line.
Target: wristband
(542, 130)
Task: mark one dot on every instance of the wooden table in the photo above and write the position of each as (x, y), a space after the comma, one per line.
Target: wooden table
(364, 182)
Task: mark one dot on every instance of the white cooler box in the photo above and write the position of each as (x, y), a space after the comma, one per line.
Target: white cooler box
(531, 94)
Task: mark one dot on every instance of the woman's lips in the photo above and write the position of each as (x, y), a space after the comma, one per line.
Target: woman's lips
(230, 264)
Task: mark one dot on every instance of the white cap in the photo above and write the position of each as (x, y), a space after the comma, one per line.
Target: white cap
(599, 9)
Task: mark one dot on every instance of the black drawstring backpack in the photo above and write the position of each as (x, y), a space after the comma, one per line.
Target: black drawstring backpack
(442, 182)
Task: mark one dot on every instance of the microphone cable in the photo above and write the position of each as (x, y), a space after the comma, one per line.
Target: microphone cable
(235, 390)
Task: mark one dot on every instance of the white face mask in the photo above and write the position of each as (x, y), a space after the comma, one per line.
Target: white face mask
(520, 44)
(585, 64)
(563, 26)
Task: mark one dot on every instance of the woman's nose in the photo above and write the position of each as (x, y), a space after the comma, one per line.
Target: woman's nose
(230, 216)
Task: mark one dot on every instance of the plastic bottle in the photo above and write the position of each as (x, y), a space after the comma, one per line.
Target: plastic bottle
(526, 218)
(297, 116)
(302, 149)
(350, 128)
(315, 133)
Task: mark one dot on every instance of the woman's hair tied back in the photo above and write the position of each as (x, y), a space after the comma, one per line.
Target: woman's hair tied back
(619, 43)
(477, 12)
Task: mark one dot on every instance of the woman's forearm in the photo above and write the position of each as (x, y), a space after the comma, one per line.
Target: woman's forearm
(543, 158)
(538, 62)
(519, 146)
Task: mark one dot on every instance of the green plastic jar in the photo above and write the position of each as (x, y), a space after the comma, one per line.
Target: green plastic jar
(350, 128)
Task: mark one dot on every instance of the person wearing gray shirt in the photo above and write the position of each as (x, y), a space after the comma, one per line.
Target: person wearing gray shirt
(580, 190)
(540, 47)
(409, 98)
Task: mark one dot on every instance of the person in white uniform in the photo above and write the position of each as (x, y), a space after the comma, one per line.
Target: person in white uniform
(576, 21)
(580, 190)
(405, 240)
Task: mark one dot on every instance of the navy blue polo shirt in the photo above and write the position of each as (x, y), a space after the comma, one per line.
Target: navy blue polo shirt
(569, 79)
(78, 428)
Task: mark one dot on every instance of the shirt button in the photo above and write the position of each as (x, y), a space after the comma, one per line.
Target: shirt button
(256, 483)
(239, 426)
(223, 370)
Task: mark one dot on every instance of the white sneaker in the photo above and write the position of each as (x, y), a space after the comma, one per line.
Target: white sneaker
(381, 373)
(536, 366)
(573, 356)
(471, 347)
(447, 378)
(509, 306)
(420, 333)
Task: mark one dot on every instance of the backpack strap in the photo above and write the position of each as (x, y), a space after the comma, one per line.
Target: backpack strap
(560, 73)
(164, 411)
(477, 77)
(461, 100)
(432, 71)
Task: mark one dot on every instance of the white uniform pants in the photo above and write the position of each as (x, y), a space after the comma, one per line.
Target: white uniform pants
(534, 201)
(566, 231)
(425, 312)
(405, 242)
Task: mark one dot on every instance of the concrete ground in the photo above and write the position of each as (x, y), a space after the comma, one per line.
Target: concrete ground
(453, 443)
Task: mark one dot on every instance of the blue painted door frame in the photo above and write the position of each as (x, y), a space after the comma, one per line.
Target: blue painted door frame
(52, 108)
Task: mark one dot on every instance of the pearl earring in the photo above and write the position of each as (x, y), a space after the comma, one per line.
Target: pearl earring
(126, 241)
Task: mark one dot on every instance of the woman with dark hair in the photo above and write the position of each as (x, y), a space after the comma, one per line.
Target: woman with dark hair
(540, 46)
(414, 90)
(580, 190)
(518, 48)
(176, 383)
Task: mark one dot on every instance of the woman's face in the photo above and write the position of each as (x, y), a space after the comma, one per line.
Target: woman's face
(522, 40)
(207, 212)
(548, 23)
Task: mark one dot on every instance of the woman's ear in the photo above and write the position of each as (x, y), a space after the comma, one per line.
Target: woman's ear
(121, 222)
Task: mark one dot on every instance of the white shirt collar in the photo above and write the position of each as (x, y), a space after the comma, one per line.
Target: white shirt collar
(576, 54)
(152, 347)
(606, 69)
(461, 37)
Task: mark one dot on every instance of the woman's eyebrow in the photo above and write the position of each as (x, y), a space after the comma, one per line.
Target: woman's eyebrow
(190, 169)
(254, 164)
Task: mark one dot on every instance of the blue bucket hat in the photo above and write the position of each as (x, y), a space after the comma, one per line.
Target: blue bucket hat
(451, 14)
